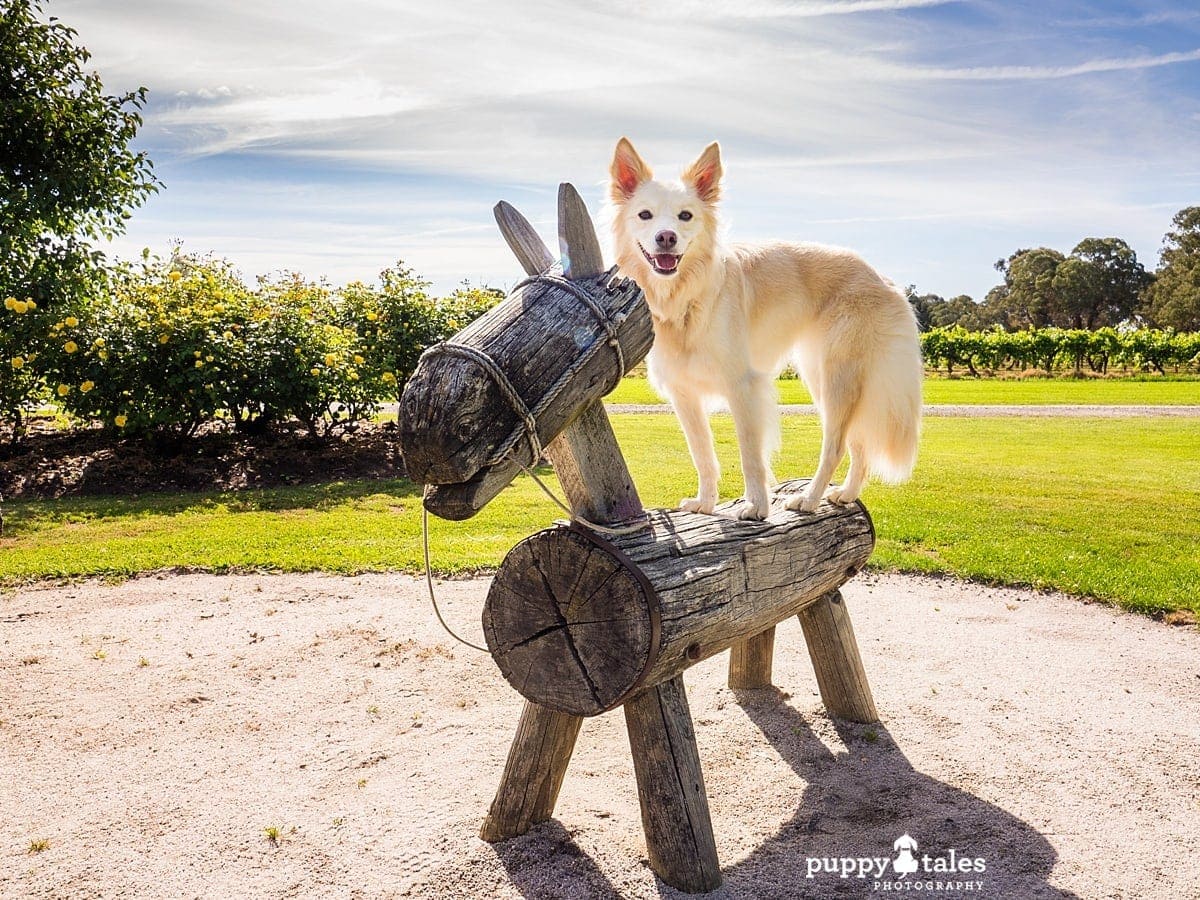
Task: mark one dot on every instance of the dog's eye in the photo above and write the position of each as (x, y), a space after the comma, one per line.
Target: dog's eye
(685, 216)
(645, 214)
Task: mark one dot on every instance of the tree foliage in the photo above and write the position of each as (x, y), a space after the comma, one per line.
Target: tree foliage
(1174, 300)
(67, 174)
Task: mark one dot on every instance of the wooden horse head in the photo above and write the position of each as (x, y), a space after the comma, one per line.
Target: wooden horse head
(484, 403)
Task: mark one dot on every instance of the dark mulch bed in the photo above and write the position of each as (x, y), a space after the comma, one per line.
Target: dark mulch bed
(55, 463)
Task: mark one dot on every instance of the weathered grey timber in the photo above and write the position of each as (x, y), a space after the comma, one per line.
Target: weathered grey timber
(675, 816)
(573, 627)
(453, 414)
(836, 662)
(750, 661)
(533, 773)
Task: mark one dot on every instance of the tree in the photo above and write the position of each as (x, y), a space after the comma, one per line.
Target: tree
(1098, 284)
(1173, 301)
(1028, 296)
(921, 306)
(67, 174)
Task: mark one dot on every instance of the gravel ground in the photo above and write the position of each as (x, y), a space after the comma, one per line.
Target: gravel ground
(150, 731)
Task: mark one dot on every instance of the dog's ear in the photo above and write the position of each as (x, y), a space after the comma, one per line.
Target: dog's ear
(628, 171)
(704, 175)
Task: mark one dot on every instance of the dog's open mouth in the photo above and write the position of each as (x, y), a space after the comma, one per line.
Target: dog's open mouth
(662, 263)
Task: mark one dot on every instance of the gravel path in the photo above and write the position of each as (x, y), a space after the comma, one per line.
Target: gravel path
(973, 410)
(150, 731)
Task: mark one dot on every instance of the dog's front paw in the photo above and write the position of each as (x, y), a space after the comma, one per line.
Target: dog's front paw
(698, 505)
(802, 502)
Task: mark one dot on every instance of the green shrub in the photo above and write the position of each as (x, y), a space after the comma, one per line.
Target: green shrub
(157, 352)
(23, 329)
(311, 366)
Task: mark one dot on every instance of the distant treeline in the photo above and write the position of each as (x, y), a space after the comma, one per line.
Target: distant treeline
(1099, 284)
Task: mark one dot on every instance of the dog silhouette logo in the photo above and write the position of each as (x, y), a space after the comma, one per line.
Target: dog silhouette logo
(904, 863)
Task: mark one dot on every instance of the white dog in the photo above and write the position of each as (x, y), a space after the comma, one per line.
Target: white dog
(728, 318)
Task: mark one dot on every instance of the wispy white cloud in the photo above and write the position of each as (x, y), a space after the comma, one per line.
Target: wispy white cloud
(839, 119)
(1173, 16)
(1031, 73)
(783, 9)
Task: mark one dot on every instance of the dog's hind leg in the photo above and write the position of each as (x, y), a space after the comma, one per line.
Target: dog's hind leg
(833, 448)
(698, 433)
(839, 396)
(756, 420)
(849, 489)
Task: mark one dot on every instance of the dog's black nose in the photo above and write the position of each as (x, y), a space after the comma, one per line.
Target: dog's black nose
(666, 239)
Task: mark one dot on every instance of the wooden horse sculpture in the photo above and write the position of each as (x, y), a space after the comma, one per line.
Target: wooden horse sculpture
(610, 610)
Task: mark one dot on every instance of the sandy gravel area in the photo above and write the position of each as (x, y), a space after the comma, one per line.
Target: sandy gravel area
(150, 731)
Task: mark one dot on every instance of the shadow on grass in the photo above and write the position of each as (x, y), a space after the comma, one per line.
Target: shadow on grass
(26, 515)
(855, 804)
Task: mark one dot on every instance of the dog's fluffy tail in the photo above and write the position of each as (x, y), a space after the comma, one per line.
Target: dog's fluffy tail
(887, 418)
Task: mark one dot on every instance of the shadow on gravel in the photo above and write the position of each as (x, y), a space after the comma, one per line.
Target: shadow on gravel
(857, 803)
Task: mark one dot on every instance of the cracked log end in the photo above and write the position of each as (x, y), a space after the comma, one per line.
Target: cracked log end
(570, 625)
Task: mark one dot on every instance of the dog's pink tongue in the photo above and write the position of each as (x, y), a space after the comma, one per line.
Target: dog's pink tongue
(666, 261)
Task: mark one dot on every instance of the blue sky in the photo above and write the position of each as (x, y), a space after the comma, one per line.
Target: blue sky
(933, 137)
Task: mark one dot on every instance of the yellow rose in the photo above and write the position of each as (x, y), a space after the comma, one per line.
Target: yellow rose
(70, 346)
(175, 276)
(163, 338)
(314, 371)
(330, 359)
(228, 335)
(358, 359)
(297, 351)
(31, 304)
(17, 362)
(208, 358)
(371, 316)
(9, 303)
(99, 342)
(87, 386)
(120, 421)
(197, 354)
(389, 377)
(199, 364)
(103, 354)
(63, 390)
(72, 321)
(20, 306)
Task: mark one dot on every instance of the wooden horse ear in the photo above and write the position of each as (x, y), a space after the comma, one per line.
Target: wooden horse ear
(522, 239)
(704, 175)
(628, 171)
(577, 242)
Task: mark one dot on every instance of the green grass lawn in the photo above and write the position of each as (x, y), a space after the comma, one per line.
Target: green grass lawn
(1100, 508)
(1033, 391)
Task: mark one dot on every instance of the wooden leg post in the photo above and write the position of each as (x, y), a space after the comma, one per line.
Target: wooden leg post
(834, 653)
(533, 774)
(675, 817)
(750, 661)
